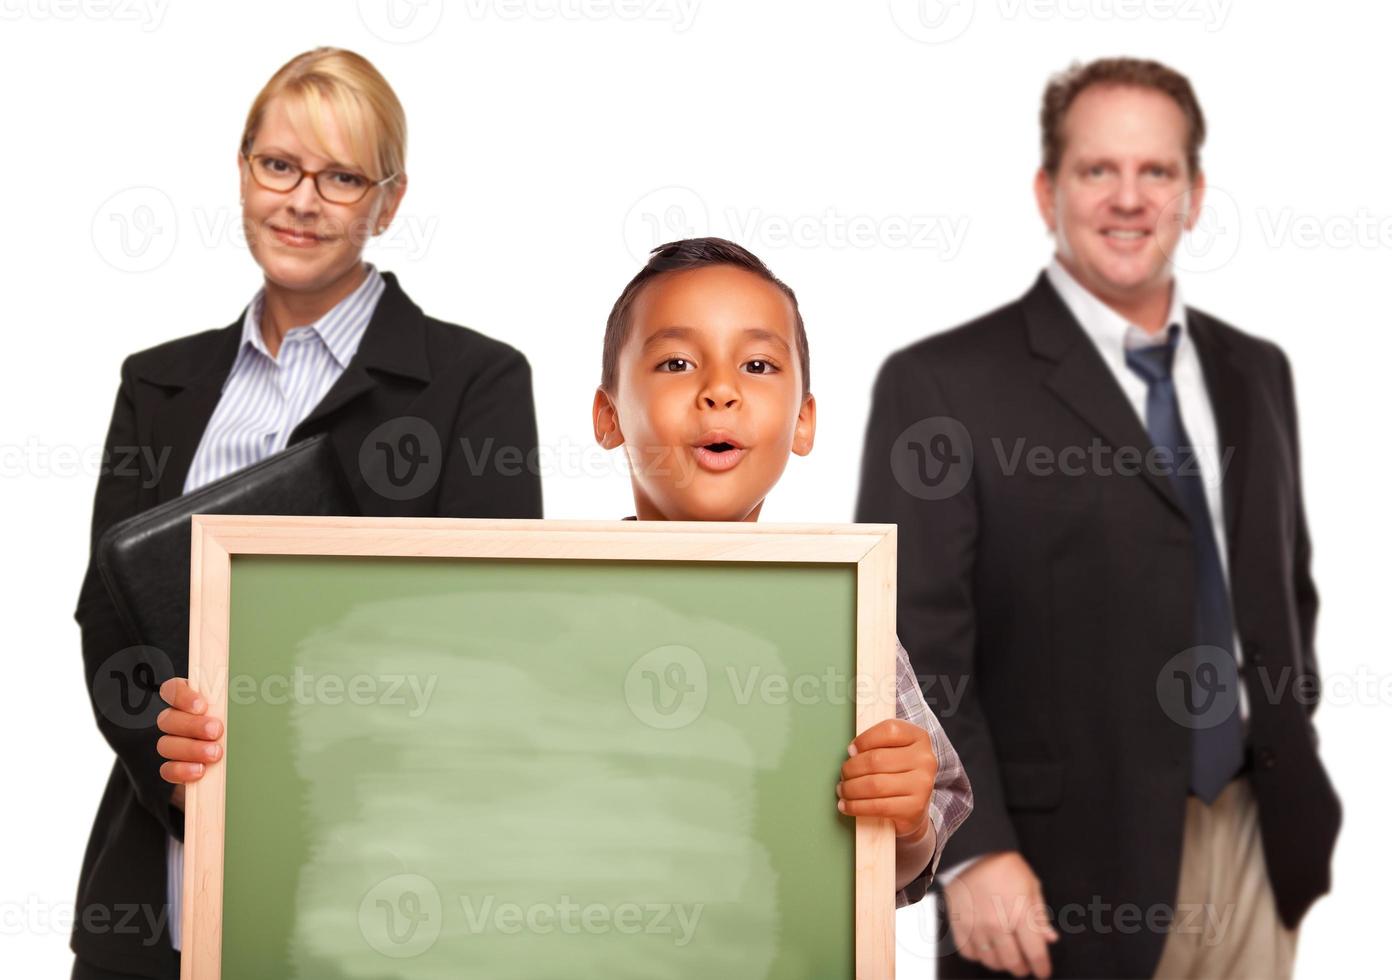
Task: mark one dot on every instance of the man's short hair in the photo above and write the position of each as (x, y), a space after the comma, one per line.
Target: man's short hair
(1067, 85)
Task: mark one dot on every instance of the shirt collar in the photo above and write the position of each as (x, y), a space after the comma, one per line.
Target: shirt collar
(340, 330)
(1113, 334)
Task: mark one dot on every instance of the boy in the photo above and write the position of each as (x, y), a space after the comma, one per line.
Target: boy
(705, 384)
(707, 441)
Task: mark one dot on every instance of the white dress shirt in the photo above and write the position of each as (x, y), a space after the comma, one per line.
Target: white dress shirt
(263, 399)
(1114, 336)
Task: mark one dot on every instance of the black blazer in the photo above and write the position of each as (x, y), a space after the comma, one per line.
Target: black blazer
(412, 374)
(1057, 600)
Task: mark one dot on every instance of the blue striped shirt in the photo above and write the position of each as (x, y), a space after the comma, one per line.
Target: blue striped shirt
(263, 399)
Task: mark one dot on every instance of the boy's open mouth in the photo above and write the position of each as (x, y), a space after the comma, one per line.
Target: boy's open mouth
(717, 452)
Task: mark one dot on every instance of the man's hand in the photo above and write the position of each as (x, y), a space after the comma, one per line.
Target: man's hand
(890, 773)
(999, 917)
(190, 738)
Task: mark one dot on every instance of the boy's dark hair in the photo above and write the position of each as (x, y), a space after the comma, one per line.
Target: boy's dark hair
(690, 253)
(1067, 85)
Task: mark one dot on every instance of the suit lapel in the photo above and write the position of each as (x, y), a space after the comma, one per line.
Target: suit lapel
(393, 342)
(194, 377)
(1083, 382)
(1228, 390)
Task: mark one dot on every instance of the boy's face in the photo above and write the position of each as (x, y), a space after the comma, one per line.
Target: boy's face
(711, 358)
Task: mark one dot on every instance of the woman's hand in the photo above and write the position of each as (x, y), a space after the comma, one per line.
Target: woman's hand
(190, 739)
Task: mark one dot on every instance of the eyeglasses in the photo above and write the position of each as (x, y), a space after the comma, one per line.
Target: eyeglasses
(337, 186)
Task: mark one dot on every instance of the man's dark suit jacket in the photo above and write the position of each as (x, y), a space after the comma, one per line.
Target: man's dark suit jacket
(1059, 599)
(463, 384)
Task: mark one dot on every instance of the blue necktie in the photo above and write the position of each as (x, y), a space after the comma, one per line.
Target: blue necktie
(1216, 745)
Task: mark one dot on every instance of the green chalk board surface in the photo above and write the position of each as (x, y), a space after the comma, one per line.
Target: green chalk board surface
(532, 769)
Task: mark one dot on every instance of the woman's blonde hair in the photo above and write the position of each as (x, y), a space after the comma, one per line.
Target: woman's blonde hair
(333, 81)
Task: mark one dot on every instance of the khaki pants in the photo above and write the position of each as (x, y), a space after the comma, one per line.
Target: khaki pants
(1226, 923)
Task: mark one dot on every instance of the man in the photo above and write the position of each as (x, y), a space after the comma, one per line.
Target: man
(1102, 538)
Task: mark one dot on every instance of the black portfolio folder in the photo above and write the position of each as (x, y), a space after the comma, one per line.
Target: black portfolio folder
(144, 560)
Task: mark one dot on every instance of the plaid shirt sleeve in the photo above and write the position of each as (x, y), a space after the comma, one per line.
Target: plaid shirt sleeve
(952, 793)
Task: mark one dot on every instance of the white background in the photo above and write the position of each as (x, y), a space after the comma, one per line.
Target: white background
(879, 162)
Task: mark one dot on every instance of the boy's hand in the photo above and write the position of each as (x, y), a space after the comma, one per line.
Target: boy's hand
(890, 773)
(190, 735)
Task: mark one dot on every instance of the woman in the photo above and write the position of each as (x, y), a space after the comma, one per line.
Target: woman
(414, 407)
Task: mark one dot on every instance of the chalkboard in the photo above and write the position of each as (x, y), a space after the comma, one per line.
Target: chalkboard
(533, 749)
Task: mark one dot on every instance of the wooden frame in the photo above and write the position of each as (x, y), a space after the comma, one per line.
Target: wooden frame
(870, 547)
